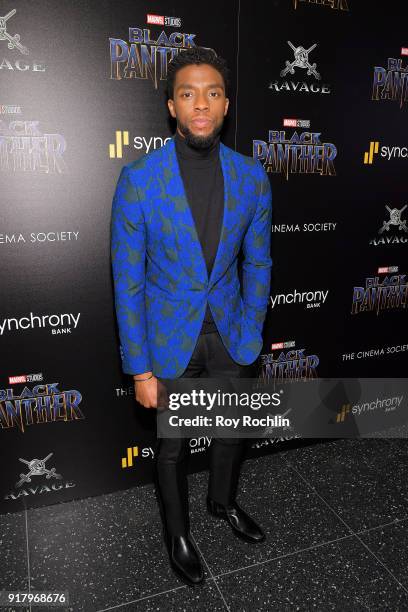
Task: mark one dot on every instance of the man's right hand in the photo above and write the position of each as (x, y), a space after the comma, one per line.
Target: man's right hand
(146, 390)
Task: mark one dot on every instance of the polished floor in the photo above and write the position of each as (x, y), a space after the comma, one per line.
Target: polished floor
(335, 516)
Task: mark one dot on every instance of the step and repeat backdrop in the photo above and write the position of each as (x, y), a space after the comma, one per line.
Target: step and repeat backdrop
(319, 95)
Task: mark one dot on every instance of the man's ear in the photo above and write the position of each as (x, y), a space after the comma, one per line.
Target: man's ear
(226, 106)
(170, 105)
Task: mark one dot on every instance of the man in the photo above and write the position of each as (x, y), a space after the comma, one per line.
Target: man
(180, 217)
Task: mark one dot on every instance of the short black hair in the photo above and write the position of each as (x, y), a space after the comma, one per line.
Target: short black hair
(196, 55)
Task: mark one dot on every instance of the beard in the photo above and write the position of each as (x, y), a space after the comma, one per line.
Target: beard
(199, 142)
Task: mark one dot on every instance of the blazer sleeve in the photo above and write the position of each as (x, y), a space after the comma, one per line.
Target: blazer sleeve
(257, 262)
(128, 253)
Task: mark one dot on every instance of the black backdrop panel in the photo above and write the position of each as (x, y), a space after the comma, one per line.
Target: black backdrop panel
(71, 117)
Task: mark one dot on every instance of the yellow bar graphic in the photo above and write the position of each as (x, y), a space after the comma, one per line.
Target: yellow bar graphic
(369, 155)
(118, 144)
(111, 151)
(125, 138)
(341, 416)
(371, 152)
(132, 451)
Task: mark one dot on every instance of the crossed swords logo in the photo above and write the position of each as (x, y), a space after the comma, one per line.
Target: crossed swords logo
(301, 61)
(395, 219)
(37, 468)
(13, 41)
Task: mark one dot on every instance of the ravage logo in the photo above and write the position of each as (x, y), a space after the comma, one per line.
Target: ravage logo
(37, 468)
(300, 63)
(13, 41)
(393, 230)
(53, 321)
(14, 44)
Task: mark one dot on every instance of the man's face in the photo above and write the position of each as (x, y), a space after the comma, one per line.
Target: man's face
(199, 104)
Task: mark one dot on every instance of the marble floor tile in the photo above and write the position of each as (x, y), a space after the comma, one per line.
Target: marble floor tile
(292, 516)
(338, 576)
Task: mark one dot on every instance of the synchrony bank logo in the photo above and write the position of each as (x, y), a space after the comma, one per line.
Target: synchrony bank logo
(385, 152)
(386, 404)
(57, 323)
(140, 143)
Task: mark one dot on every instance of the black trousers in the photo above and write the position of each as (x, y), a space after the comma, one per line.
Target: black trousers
(209, 359)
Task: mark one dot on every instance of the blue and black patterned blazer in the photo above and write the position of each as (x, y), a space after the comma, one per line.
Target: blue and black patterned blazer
(160, 277)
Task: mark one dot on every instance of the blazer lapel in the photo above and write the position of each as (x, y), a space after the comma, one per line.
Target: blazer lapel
(188, 243)
(228, 217)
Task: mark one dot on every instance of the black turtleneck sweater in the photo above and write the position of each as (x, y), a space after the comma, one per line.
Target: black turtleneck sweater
(203, 181)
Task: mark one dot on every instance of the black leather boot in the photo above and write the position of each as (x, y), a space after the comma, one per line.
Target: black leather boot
(184, 558)
(242, 525)
(172, 495)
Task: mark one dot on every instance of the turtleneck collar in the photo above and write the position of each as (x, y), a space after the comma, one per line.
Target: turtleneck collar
(185, 151)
